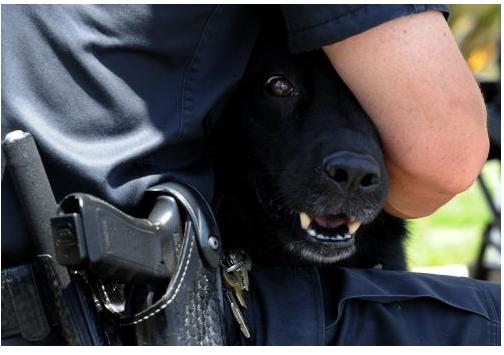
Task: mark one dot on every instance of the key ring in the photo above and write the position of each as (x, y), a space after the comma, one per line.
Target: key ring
(236, 265)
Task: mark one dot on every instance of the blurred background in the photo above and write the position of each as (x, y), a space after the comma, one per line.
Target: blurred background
(463, 237)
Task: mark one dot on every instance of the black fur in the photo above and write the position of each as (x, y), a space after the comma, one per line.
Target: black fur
(269, 164)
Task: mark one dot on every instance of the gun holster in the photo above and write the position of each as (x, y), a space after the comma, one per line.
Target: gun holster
(167, 261)
(191, 311)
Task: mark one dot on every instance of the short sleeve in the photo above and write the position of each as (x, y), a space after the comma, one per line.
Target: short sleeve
(312, 26)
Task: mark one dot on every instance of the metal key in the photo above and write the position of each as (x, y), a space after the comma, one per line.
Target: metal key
(237, 314)
(233, 281)
(243, 264)
(235, 273)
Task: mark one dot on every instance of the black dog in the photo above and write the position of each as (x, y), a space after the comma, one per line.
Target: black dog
(299, 167)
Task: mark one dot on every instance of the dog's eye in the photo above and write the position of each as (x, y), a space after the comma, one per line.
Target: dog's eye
(279, 86)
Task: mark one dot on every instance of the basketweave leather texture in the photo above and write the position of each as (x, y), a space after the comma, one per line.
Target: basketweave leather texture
(191, 310)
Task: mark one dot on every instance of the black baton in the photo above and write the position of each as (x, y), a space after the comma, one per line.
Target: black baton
(38, 204)
(32, 186)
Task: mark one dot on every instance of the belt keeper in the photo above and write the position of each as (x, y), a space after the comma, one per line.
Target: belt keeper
(23, 298)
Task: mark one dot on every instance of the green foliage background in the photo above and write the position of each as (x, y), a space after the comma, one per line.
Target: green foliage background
(452, 235)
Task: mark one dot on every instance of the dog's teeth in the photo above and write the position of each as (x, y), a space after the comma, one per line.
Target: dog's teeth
(352, 227)
(312, 232)
(339, 237)
(305, 220)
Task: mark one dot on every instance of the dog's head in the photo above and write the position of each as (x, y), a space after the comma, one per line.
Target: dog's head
(309, 151)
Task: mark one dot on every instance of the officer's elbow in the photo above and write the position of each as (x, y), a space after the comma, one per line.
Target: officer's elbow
(476, 155)
(466, 151)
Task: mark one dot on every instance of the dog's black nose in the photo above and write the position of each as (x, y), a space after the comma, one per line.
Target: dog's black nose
(353, 172)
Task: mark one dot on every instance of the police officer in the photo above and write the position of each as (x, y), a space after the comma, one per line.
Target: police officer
(116, 95)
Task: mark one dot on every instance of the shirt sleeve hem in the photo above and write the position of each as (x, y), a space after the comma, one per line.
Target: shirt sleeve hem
(341, 27)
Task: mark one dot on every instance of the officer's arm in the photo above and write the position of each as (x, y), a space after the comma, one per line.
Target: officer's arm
(410, 77)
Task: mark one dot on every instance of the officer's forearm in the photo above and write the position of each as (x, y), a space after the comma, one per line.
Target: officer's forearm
(410, 77)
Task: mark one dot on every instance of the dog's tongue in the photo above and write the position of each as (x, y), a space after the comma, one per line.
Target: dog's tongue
(331, 221)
